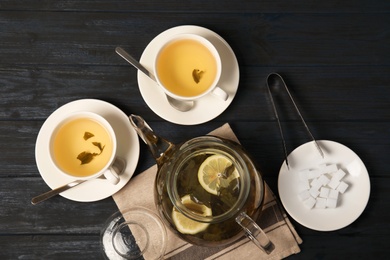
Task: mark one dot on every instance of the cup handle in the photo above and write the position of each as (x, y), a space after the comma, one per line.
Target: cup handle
(116, 169)
(217, 91)
(255, 233)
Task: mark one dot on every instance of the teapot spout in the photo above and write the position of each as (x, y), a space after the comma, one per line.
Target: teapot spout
(158, 146)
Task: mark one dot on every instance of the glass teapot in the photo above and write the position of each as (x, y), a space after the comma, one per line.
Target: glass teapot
(207, 189)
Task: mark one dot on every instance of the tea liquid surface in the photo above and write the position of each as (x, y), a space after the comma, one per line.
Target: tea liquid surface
(71, 140)
(227, 186)
(186, 68)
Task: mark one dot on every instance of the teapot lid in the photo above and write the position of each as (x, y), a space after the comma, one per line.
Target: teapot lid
(136, 233)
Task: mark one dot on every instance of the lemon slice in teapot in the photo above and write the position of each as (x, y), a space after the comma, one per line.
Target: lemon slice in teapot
(216, 172)
(186, 225)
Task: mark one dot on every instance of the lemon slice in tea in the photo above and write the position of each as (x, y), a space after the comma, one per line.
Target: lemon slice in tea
(186, 225)
(216, 172)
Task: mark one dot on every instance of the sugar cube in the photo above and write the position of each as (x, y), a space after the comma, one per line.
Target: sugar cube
(333, 183)
(324, 192)
(339, 175)
(320, 203)
(331, 203)
(314, 192)
(333, 194)
(320, 188)
(304, 195)
(316, 184)
(322, 166)
(310, 202)
(314, 174)
(303, 185)
(331, 168)
(323, 180)
(354, 168)
(342, 187)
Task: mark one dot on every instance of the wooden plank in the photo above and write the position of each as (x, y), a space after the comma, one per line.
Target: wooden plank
(320, 245)
(52, 217)
(50, 247)
(323, 94)
(89, 38)
(216, 6)
(343, 246)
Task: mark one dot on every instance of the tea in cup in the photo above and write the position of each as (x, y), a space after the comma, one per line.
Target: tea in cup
(188, 67)
(83, 145)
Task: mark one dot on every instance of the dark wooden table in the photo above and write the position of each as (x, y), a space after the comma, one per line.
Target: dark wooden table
(334, 56)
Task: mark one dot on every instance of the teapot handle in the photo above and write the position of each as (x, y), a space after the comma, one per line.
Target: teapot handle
(255, 233)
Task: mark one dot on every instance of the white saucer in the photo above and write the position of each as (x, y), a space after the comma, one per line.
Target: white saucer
(98, 189)
(351, 204)
(206, 108)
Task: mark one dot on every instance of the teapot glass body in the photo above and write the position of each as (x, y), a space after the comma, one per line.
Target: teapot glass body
(207, 190)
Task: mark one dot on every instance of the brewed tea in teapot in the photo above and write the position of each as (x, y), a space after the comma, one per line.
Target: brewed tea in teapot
(207, 189)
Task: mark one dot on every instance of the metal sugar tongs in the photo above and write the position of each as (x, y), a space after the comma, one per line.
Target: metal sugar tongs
(272, 80)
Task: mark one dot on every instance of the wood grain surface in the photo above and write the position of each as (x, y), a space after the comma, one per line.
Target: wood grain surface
(334, 56)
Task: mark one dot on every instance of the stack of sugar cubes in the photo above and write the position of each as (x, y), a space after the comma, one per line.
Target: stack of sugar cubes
(321, 188)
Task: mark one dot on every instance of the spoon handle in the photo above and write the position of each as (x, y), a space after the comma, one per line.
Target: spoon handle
(180, 105)
(51, 193)
(134, 62)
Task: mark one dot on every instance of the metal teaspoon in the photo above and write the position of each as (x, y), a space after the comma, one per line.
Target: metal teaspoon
(54, 192)
(180, 105)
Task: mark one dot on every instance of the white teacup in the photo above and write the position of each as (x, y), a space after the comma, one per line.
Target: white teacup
(83, 145)
(188, 67)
